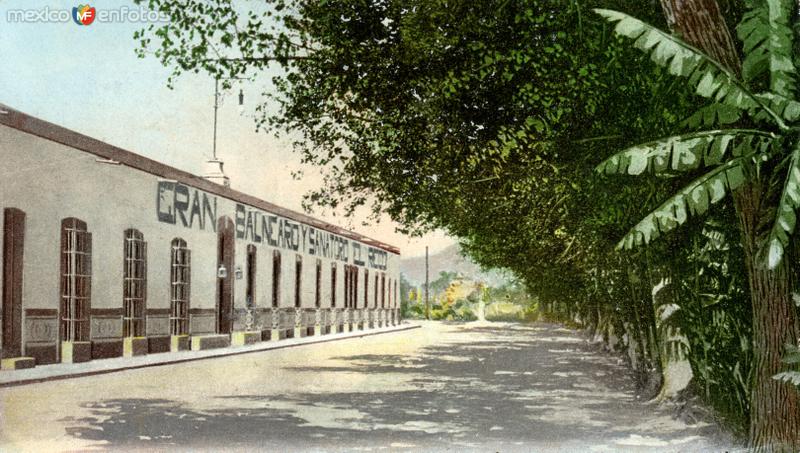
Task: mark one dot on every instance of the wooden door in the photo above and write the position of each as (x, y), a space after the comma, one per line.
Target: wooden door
(13, 241)
(225, 255)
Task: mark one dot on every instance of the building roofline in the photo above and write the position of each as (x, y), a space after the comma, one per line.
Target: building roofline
(31, 125)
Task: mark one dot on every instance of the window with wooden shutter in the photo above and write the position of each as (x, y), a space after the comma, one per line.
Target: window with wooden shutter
(333, 284)
(318, 293)
(383, 290)
(276, 278)
(251, 276)
(134, 284)
(180, 278)
(354, 271)
(348, 287)
(376, 291)
(76, 280)
(366, 288)
(298, 279)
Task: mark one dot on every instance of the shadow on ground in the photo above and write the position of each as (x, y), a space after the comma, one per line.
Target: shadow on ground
(498, 388)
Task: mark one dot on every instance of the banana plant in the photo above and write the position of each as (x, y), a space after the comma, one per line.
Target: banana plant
(726, 157)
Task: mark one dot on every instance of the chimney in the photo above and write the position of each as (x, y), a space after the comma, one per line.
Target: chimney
(215, 174)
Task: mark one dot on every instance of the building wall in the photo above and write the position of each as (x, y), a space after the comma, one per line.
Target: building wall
(51, 181)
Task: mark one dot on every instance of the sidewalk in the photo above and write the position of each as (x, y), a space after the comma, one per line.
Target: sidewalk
(42, 373)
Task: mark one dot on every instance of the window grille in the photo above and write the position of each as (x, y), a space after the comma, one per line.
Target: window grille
(134, 281)
(180, 278)
(76, 280)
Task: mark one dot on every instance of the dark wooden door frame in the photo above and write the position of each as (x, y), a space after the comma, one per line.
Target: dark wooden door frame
(13, 247)
(225, 256)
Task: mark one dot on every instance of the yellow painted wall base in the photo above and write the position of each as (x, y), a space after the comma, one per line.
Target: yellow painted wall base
(298, 332)
(241, 338)
(133, 346)
(76, 351)
(179, 343)
(203, 342)
(17, 363)
(275, 335)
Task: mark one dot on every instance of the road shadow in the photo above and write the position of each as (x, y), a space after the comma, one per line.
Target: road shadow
(507, 388)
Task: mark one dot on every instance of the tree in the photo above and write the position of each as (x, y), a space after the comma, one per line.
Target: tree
(760, 163)
(482, 118)
(485, 118)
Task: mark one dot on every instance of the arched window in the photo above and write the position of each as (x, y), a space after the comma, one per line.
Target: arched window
(76, 279)
(276, 278)
(180, 278)
(134, 284)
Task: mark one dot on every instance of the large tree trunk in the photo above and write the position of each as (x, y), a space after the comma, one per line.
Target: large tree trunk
(701, 24)
(774, 406)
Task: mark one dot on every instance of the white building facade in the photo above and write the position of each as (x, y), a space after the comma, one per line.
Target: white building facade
(107, 253)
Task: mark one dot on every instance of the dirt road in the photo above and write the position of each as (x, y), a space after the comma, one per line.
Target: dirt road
(468, 387)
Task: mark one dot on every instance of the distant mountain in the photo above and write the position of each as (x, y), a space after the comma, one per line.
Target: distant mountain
(449, 260)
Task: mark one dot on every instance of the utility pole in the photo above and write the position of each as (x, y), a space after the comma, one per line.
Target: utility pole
(216, 107)
(427, 301)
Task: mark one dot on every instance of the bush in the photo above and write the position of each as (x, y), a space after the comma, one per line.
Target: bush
(463, 310)
(505, 311)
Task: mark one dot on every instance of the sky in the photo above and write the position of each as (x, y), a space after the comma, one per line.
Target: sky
(89, 79)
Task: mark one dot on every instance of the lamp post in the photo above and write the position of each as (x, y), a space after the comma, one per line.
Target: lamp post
(427, 280)
(215, 172)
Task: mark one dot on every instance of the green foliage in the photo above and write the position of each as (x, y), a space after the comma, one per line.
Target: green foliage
(442, 282)
(687, 152)
(486, 119)
(766, 33)
(785, 218)
(768, 39)
(692, 199)
(762, 169)
(505, 311)
(712, 115)
(709, 321)
(461, 310)
(710, 79)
